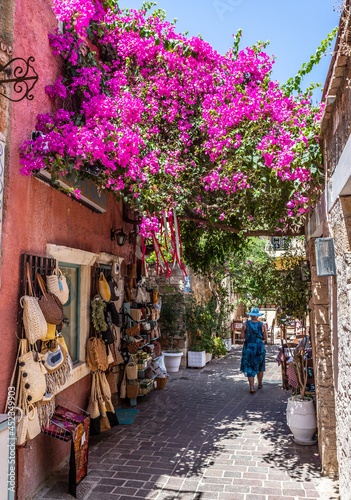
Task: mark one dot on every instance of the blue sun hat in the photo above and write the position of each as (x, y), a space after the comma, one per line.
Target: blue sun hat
(255, 312)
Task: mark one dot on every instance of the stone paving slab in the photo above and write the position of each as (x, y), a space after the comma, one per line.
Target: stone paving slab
(203, 437)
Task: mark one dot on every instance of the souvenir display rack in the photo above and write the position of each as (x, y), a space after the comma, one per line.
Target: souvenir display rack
(135, 317)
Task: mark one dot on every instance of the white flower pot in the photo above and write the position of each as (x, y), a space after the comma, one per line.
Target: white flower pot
(301, 419)
(172, 361)
(208, 357)
(228, 344)
(196, 359)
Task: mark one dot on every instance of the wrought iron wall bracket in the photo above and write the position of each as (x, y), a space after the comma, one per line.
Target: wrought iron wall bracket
(24, 78)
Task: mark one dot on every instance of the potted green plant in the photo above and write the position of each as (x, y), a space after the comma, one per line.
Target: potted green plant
(227, 340)
(173, 329)
(197, 356)
(219, 348)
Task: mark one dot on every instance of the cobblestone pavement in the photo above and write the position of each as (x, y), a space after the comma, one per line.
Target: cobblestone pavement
(203, 437)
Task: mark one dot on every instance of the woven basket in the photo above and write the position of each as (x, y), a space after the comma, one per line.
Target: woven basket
(133, 330)
(96, 354)
(161, 382)
(133, 347)
(132, 389)
(131, 369)
(34, 322)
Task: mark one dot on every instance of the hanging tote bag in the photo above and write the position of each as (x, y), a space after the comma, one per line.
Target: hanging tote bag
(104, 288)
(57, 285)
(32, 374)
(109, 418)
(132, 389)
(132, 369)
(93, 408)
(33, 425)
(35, 325)
(49, 304)
(112, 382)
(123, 387)
(21, 426)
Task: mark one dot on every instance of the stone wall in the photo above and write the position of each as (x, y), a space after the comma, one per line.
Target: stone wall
(323, 366)
(340, 227)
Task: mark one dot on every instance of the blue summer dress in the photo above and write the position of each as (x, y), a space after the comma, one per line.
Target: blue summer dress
(253, 359)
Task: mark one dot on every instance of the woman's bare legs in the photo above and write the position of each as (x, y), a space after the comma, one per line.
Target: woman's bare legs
(260, 379)
(252, 383)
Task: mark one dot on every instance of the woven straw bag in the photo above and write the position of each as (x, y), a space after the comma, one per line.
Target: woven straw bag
(132, 347)
(135, 314)
(106, 392)
(132, 369)
(133, 330)
(132, 389)
(33, 425)
(93, 406)
(51, 332)
(123, 387)
(33, 376)
(34, 323)
(110, 357)
(61, 340)
(57, 285)
(21, 427)
(49, 304)
(104, 288)
(96, 354)
(112, 382)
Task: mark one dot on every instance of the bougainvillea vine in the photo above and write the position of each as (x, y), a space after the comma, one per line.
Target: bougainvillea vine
(173, 125)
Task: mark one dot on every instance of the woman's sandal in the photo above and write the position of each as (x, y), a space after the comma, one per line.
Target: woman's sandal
(252, 391)
(260, 386)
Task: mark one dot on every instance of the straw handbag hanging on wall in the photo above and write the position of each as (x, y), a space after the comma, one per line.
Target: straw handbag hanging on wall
(57, 285)
(35, 325)
(104, 288)
(49, 304)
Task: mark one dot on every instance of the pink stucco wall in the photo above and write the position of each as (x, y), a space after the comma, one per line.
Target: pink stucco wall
(36, 214)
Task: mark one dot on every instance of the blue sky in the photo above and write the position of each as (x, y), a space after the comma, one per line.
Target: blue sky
(294, 28)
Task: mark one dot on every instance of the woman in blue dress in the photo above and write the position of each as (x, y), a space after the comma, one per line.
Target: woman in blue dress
(253, 358)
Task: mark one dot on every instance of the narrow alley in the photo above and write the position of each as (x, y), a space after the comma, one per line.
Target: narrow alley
(203, 437)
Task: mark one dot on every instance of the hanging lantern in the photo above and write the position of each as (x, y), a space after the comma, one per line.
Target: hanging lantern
(119, 235)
